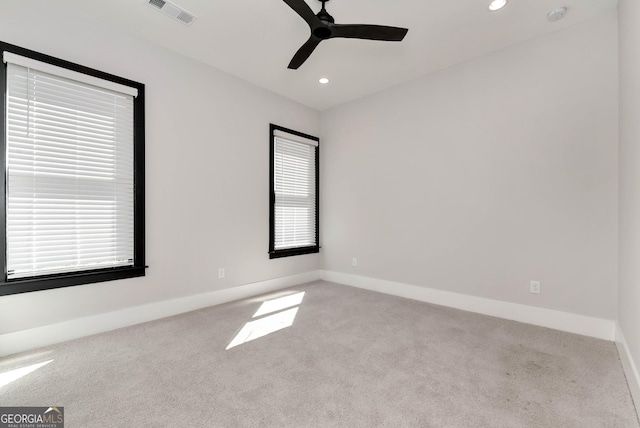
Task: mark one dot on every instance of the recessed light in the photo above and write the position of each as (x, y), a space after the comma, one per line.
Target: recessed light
(497, 5)
(323, 80)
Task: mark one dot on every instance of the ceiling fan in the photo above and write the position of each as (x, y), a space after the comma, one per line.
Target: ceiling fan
(323, 27)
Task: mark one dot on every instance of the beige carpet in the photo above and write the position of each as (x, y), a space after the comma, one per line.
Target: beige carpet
(351, 358)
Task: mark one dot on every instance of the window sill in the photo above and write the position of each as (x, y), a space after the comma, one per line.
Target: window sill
(293, 252)
(25, 285)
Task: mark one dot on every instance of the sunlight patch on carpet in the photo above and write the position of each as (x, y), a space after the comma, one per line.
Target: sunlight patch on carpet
(264, 326)
(13, 375)
(280, 303)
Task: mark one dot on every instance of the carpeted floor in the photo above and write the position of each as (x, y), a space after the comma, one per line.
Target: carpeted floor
(351, 358)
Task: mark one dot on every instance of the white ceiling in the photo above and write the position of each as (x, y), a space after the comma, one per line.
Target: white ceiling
(255, 39)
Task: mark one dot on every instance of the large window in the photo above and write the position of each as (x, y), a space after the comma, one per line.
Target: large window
(73, 206)
(293, 193)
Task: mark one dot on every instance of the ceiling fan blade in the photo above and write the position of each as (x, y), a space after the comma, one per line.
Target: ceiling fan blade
(303, 9)
(368, 32)
(304, 52)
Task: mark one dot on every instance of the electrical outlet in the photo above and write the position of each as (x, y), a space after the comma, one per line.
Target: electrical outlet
(354, 262)
(221, 273)
(534, 287)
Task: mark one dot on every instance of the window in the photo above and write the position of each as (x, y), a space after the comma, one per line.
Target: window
(294, 190)
(73, 208)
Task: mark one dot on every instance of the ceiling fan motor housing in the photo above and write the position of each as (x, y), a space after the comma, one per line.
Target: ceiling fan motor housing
(323, 15)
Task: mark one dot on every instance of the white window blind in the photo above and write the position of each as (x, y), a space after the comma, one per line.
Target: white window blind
(295, 192)
(69, 174)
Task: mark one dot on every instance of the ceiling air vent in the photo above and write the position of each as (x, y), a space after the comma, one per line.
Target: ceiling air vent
(172, 10)
(157, 3)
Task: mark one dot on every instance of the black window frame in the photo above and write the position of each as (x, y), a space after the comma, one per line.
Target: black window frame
(46, 282)
(273, 253)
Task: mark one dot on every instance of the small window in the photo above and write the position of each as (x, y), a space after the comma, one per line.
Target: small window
(294, 190)
(74, 185)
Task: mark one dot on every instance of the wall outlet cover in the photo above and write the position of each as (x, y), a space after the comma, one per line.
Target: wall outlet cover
(534, 287)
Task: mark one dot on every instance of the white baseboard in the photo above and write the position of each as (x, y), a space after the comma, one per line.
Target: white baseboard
(25, 340)
(629, 366)
(572, 323)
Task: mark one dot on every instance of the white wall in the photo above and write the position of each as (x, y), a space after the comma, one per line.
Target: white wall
(207, 168)
(629, 290)
(484, 176)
